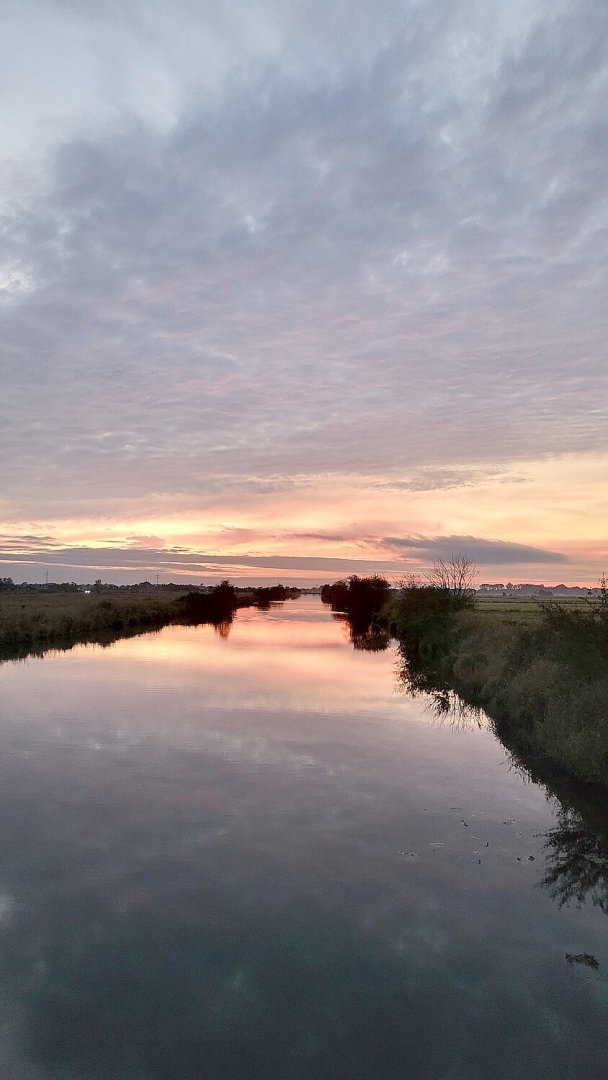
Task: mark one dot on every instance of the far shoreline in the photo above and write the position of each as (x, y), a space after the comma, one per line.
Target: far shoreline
(35, 622)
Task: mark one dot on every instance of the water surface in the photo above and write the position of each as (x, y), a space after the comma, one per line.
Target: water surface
(251, 855)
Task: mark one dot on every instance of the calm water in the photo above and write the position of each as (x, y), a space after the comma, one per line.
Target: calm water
(254, 856)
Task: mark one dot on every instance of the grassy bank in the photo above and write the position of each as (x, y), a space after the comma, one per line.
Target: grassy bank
(32, 623)
(542, 676)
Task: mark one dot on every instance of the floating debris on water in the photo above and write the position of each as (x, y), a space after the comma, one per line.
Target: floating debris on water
(584, 958)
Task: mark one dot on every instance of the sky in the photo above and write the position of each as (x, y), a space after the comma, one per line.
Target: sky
(291, 290)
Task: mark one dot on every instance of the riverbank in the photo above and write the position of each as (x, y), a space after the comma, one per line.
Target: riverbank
(33, 623)
(543, 680)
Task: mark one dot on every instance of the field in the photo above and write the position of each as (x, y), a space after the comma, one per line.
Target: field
(524, 610)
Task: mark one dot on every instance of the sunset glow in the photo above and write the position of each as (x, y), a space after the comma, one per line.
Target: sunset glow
(290, 297)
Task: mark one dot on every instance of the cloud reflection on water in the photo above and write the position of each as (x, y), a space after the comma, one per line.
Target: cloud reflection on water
(205, 844)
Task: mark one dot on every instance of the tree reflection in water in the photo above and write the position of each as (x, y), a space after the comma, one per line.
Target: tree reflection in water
(418, 677)
(364, 634)
(576, 867)
(449, 707)
(576, 849)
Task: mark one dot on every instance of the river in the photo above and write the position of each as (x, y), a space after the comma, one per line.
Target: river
(249, 854)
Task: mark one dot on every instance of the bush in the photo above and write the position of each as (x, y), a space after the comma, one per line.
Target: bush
(420, 616)
(359, 598)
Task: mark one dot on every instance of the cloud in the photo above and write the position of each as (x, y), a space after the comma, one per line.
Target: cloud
(478, 549)
(446, 479)
(150, 542)
(324, 537)
(26, 542)
(354, 262)
(178, 561)
(268, 246)
(394, 556)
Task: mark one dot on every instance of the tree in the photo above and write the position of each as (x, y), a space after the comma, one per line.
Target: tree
(224, 594)
(602, 601)
(456, 575)
(360, 598)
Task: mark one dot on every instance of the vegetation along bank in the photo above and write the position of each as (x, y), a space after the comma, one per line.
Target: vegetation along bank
(541, 674)
(543, 680)
(36, 619)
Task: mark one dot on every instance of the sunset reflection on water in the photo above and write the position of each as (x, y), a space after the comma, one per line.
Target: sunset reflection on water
(266, 659)
(258, 848)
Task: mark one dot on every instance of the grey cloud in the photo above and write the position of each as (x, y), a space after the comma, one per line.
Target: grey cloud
(26, 542)
(478, 549)
(330, 537)
(387, 256)
(151, 542)
(134, 562)
(170, 560)
(439, 479)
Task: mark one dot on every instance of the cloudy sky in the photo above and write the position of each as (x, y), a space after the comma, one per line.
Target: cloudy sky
(290, 289)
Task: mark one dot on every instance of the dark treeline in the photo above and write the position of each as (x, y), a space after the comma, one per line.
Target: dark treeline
(359, 598)
(214, 606)
(224, 599)
(98, 586)
(268, 594)
(8, 585)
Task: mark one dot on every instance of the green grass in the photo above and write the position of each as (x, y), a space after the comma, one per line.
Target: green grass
(521, 611)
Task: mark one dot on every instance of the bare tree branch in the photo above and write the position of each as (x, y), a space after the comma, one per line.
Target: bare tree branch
(456, 575)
